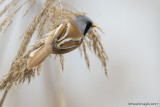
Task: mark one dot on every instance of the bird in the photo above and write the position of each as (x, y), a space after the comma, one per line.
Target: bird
(65, 38)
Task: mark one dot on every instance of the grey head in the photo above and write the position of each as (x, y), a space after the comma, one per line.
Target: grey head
(84, 23)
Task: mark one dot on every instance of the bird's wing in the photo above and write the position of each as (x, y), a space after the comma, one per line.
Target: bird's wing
(68, 43)
(67, 36)
(60, 32)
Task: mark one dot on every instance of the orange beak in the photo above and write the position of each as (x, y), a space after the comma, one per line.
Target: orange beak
(94, 25)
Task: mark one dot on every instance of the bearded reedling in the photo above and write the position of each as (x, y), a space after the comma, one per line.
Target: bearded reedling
(65, 38)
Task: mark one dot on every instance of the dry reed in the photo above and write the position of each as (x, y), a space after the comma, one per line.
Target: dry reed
(32, 4)
(1, 2)
(47, 19)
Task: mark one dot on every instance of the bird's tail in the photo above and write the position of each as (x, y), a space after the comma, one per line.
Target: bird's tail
(38, 56)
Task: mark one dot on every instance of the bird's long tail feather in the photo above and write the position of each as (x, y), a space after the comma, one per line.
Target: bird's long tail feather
(38, 57)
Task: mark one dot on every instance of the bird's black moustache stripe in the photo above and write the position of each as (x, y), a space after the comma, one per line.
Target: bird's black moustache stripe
(89, 24)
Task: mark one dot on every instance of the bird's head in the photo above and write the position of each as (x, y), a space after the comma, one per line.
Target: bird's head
(84, 23)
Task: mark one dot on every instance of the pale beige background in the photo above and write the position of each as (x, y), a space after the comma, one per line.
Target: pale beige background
(132, 42)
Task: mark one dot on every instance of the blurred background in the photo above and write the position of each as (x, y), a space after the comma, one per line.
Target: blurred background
(132, 43)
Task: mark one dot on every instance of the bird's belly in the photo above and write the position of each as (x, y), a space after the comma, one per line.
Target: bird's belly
(63, 51)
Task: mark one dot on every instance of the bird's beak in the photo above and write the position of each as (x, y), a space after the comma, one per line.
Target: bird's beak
(94, 25)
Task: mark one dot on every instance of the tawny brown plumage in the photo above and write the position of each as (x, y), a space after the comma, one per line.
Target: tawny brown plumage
(63, 39)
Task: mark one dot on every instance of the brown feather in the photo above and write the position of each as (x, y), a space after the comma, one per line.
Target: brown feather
(40, 55)
(72, 33)
(56, 43)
